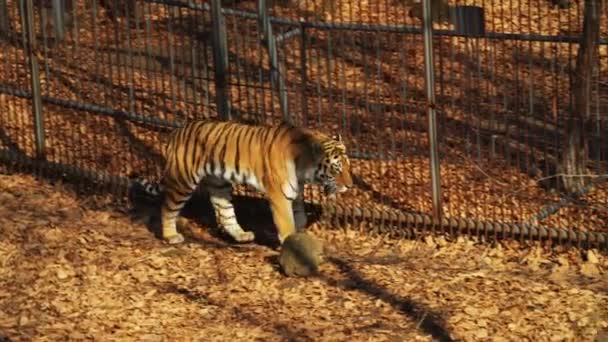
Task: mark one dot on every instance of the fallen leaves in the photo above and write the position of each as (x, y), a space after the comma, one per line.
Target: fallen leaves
(97, 274)
(592, 257)
(590, 270)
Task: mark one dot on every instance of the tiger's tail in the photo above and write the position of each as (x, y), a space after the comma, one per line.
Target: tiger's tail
(145, 191)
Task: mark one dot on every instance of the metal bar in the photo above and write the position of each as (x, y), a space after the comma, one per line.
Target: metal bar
(378, 28)
(114, 66)
(46, 70)
(432, 114)
(395, 219)
(173, 84)
(220, 60)
(22, 142)
(97, 140)
(553, 208)
(276, 78)
(59, 19)
(196, 52)
(4, 26)
(247, 73)
(238, 70)
(183, 81)
(35, 78)
(79, 150)
(344, 122)
(328, 78)
(261, 95)
(283, 37)
(93, 108)
(129, 62)
(206, 78)
(304, 76)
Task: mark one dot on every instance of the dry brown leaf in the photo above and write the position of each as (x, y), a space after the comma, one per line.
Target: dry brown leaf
(590, 270)
(592, 257)
(481, 333)
(61, 274)
(471, 311)
(559, 275)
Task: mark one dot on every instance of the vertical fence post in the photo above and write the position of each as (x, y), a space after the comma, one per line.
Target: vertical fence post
(275, 72)
(28, 26)
(59, 18)
(431, 104)
(3, 17)
(220, 60)
(304, 73)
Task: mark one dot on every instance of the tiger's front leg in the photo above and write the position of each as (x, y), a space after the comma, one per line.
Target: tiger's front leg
(221, 199)
(282, 214)
(299, 210)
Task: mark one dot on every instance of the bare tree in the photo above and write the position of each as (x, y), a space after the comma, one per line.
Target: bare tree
(576, 148)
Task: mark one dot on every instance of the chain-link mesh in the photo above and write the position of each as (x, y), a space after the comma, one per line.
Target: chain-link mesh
(116, 76)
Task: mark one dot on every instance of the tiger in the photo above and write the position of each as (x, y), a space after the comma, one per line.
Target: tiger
(274, 160)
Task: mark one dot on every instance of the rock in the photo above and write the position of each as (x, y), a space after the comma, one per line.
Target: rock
(301, 255)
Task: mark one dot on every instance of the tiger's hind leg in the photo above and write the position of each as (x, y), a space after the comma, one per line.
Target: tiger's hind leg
(220, 195)
(173, 203)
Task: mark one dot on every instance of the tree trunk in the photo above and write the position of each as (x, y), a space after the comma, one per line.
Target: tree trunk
(575, 149)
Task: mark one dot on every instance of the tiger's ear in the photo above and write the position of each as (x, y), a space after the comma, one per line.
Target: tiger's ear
(337, 137)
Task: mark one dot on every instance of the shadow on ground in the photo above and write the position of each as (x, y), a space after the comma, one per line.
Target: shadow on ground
(428, 321)
(253, 214)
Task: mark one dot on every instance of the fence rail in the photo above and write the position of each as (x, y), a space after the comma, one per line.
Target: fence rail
(90, 92)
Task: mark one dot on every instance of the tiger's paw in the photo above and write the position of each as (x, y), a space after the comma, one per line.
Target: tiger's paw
(175, 239)
(282, 238)
(244, 237)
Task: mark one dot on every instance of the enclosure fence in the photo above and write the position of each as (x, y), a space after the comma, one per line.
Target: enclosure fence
(456, 124)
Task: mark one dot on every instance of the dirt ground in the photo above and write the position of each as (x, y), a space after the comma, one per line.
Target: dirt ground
(71, 268)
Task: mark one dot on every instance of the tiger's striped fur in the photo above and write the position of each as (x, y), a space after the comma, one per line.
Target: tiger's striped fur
(275, 160)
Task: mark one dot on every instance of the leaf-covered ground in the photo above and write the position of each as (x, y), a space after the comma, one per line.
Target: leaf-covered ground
(498, 134)
(74, 269)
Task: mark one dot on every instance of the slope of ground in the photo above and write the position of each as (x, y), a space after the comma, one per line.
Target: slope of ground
(73, 268)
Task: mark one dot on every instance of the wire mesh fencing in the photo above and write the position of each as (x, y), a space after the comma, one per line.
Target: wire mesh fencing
(113, 77)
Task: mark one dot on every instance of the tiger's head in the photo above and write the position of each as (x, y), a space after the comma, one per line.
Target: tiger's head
(333, 170)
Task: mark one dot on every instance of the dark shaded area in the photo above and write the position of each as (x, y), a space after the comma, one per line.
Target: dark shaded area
(11, 145)
(253, 214)
(85, 183)
(428, 322)
(378, 196)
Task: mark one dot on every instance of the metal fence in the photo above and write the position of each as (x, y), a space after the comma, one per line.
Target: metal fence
(88, 90)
